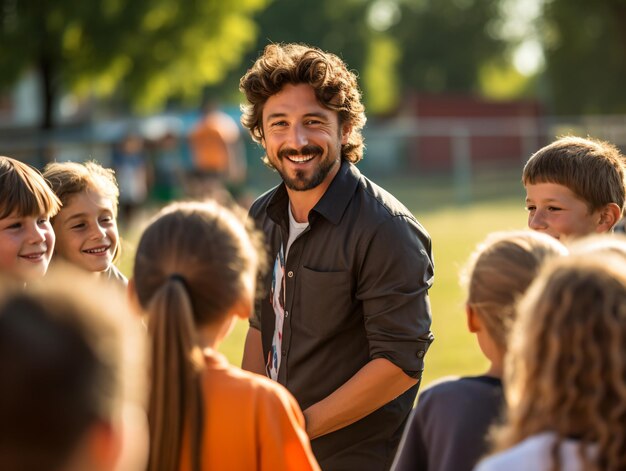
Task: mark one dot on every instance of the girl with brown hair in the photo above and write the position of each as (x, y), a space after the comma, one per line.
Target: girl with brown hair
(194, 274)
(447, 431)
(566, 372)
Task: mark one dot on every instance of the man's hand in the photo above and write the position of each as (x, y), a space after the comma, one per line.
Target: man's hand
(373, 386)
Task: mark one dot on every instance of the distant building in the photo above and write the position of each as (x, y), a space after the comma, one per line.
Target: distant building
(445, 126)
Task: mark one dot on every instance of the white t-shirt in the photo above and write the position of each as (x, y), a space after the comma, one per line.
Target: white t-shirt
(534, 453)
(278, 295)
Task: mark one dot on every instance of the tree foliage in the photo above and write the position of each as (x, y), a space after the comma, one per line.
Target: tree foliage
(585, 48)
(395, 45)
(334, 26)
(445, 43)
(149, 50)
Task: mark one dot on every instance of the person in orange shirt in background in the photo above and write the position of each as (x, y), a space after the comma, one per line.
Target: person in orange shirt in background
(194, 274)
(218, 155)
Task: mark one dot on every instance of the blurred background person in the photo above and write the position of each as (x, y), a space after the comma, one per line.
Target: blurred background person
(169, 168)
(132, 172)
(218, 155)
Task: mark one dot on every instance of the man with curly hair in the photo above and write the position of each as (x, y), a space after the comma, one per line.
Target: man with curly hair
(345, 319)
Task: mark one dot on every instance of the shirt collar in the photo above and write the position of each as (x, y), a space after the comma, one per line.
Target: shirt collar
(331, 205)
(334, 201)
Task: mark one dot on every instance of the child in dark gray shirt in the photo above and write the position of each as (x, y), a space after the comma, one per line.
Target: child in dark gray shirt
(447, 429)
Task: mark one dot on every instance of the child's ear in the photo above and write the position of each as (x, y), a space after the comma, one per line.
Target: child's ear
(473, 321)
(609, 215)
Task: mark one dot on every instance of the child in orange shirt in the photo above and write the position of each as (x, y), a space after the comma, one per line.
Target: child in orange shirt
(194, 274)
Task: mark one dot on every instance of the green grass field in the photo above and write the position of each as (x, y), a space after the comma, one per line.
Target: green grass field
(496, 204)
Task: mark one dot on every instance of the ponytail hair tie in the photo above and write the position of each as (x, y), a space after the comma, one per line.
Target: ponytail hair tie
(178, 277)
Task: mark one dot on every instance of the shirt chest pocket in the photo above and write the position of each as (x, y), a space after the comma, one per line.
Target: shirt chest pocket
(324, 302)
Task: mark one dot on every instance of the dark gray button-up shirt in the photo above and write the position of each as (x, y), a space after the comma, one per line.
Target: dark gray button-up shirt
(356, 289)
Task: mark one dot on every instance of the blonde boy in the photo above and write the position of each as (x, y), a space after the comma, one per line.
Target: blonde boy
(575, 187)
(26, 206)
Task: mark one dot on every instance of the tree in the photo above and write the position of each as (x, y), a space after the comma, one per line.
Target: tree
(395, 45)
(445, 43)
(337, 27)
(585, 48)
(147, 50)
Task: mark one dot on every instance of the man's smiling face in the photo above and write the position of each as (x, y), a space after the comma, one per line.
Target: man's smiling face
(302, 138)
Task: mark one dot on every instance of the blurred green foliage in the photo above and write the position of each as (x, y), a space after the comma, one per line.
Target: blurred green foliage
(145, 50)
(150, 52)
(446, 42)
(396, 46)
(585, 47)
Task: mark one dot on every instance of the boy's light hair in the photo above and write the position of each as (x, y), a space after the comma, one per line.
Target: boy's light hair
(594, 170)
(23, 191)
(566, 369)
(499, 272)
(70, 178)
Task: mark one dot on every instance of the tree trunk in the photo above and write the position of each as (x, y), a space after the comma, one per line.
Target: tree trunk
(46, 70)
(46, 75)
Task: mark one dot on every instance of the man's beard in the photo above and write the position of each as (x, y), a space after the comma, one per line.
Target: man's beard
(300, 182)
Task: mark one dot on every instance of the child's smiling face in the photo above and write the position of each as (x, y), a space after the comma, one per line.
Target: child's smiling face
(557, 211)
(26, 245)
(87, 231)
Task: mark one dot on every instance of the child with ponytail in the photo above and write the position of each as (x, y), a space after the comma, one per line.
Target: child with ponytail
(194, 274)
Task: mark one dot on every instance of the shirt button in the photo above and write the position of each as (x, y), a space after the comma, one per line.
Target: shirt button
(286, 313)
(290, 274)
(420, 354)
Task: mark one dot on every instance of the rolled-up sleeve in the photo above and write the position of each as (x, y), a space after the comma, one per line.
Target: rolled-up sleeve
(394, 279)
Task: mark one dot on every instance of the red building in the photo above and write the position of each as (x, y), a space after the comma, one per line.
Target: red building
(448, 127)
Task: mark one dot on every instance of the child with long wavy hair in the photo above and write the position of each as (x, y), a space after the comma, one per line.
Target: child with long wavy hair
(566, 371)
(194, 274)
(448, 428)
(86, 226)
